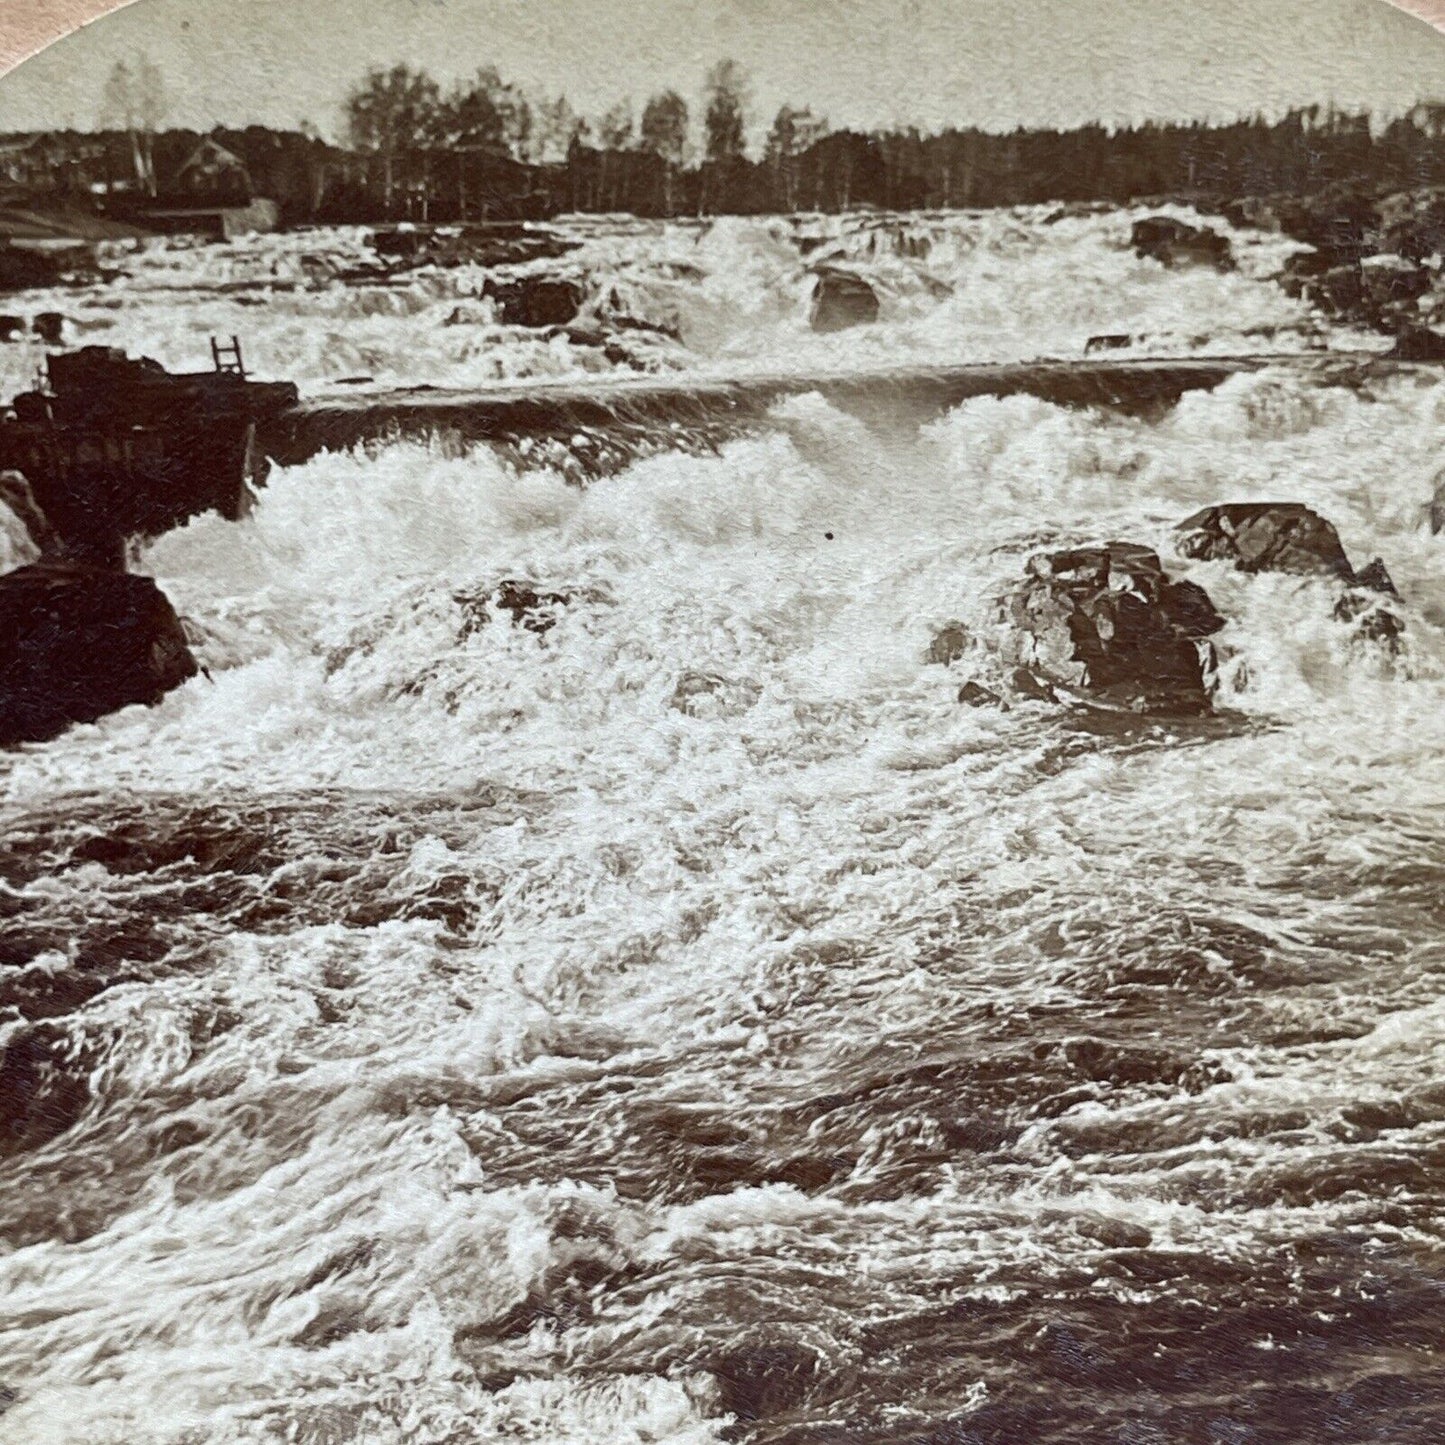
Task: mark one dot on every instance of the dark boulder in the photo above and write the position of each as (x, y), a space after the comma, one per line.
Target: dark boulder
(1413, 223)
(505, 243)
(1302, 269)
(23, 270)
(1175, 243)
(1393, 280)
(1418, 343)
(11, 327)
(1372, 620)
(1109, 623)
(77, 643)
(1375, 577)
(1289, 537)
(1110, 342)
(535, 301)
(49, 326)
(1266, 537)
(842, 299)
(1255, 212)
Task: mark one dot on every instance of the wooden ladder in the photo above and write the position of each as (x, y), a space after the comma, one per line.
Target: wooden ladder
(227, 359)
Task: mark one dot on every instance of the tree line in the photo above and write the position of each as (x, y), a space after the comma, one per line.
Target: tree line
(485, 147)
(482, 149)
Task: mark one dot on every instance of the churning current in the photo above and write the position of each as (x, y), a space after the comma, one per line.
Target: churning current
(688, 1022)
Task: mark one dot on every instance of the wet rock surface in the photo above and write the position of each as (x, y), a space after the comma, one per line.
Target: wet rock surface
(1108, 623)
(842, 299)
(535, 301)
(77, 643)
(1176, 243)
(1266, 537)
(1291, 538)
(499, 244)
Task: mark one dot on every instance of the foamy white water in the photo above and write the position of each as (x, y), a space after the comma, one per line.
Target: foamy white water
(452, 1037)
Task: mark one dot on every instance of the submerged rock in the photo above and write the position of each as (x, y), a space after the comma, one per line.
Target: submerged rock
(710, 695)
(975, 694)
(1111, 342)
(524, 602)
(1266, 537)
(77, 643)
(948, 645)
(1175, 243)
(1109, 622)
(842, 299)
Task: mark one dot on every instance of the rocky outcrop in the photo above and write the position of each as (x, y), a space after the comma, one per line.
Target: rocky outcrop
(1175, 243)
(1108, 623)
(1289, 537)
(1266, 537)
(841, 299)
(535, 301)
(1366, 259)
(498, 244)
(77, 643)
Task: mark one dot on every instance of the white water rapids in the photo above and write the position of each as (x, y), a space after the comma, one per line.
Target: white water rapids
(450, 1037)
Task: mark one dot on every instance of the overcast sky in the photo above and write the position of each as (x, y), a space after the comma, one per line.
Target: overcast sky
(995, 63)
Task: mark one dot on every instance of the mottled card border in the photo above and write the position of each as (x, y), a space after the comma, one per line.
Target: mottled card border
(28, 26)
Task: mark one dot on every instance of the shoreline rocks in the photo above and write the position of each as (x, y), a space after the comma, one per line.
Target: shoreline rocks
(78, 643)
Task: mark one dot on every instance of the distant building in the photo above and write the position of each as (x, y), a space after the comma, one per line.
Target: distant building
(215, 175)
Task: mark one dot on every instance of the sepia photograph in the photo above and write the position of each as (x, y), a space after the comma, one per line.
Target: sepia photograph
(722, 721)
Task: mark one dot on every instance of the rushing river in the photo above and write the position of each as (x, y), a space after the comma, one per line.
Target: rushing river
(690, 1023)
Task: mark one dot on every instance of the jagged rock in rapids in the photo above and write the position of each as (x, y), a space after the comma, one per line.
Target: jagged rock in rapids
(536, 300)
(1174, 243)
(842, 299)
(77, 643)
(1266, 537)
(1108, 622)
(1289, 537)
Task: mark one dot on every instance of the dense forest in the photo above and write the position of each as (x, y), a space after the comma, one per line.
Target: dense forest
(484, 150)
